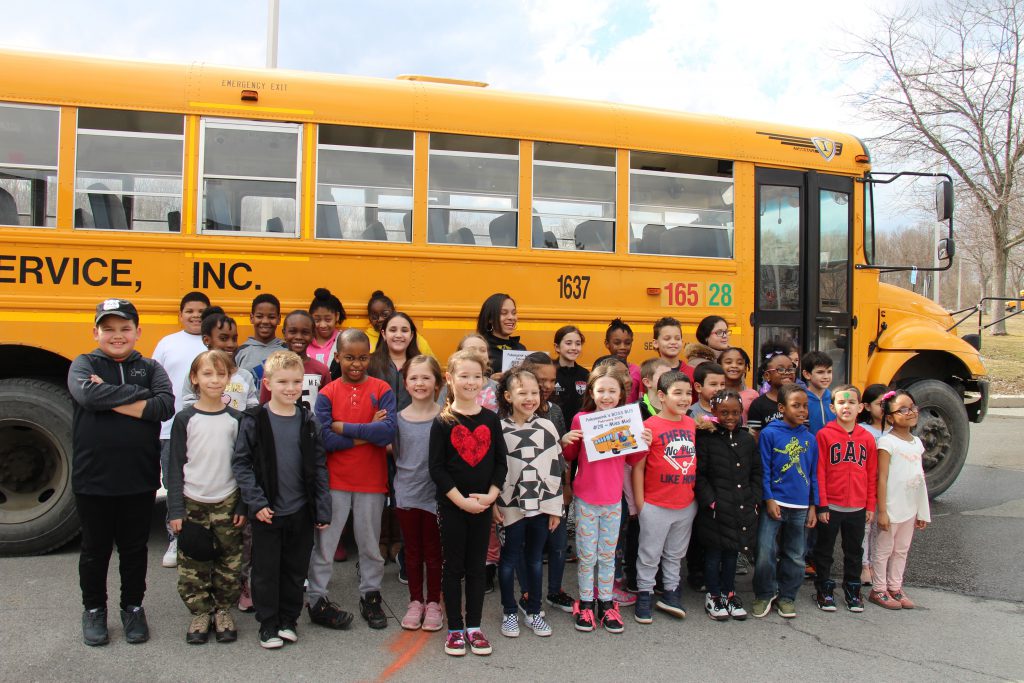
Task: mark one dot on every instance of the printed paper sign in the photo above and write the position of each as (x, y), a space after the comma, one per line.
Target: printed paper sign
(614, 432)
(510, 359)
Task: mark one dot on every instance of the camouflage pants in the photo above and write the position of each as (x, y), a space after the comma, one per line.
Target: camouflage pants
(206, 586)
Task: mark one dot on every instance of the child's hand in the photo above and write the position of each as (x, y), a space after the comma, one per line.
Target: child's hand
(175, 525)
(265, 515)
(812, 519)
(869, 516)
(572, 436)
(485, 499)
(920, 524)
(497, 516)
(883, 521)
(472, 506)
(95, 379)
(773, 509)
(823, 517)
(320, 527)
(238, 521)
(379, 416)
(648, 436)
(553, 522)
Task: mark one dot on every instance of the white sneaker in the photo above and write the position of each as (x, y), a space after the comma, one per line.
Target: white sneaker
(735, 607)
(715, 607)
(510, 625)
(171, 556)
(539, 625)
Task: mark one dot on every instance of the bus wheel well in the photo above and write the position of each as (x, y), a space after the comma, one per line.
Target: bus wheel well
(933, 364)
(18, 360)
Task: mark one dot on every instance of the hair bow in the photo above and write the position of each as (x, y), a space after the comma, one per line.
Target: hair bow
(890, 394)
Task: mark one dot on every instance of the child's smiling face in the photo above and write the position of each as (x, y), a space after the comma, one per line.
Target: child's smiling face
(191, 317)
(298, 333)
(265, 318)
(353, 357)
(619, 344)
(607, 393)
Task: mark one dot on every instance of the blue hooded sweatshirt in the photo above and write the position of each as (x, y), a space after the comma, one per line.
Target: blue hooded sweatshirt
(819, 410)
(789, 460)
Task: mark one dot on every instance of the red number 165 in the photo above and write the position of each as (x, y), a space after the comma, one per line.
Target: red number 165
(682, 293)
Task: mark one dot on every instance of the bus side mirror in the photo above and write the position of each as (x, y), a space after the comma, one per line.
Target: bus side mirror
(947, 248)
(944, 201)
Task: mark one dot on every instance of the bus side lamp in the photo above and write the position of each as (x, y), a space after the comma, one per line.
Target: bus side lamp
(250, 96)
(653, 291)
(862, 158)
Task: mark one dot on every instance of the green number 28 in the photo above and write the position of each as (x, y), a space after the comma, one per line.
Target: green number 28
(721, 294)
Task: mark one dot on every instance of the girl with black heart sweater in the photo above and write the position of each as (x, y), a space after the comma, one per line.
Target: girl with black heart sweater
(467, 464)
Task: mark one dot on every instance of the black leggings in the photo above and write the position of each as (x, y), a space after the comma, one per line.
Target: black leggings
(106, 521)
(464, 540)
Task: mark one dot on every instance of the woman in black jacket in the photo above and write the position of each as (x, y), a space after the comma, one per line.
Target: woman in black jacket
(728, 491)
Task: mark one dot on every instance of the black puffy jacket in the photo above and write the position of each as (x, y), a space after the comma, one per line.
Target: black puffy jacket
(728, 475)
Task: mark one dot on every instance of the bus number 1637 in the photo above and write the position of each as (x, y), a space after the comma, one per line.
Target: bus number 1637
(573, 286)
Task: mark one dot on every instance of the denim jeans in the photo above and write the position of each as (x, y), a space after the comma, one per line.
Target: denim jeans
(524, 540)
(557, 540)
(780, 554)
(720, 570)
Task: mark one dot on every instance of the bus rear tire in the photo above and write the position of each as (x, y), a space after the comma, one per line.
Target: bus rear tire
(945, 431)
(37, 506)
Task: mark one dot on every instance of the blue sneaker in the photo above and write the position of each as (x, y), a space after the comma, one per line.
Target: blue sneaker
(671, 602)
(642, 609)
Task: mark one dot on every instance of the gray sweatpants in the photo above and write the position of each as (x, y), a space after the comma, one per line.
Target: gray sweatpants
(664, 537)
(366, 512)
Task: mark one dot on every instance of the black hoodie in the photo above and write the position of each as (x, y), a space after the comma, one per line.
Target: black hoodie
(495, 346)
(115, 454)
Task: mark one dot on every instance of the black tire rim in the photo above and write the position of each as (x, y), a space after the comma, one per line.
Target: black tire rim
(33, 471)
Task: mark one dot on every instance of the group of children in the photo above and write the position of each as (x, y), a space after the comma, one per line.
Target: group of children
(269, 448)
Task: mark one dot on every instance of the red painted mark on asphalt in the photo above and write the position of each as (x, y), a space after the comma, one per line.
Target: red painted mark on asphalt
(406, 645)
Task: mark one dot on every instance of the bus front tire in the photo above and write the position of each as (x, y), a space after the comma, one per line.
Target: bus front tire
(37, 506)
(945, 431)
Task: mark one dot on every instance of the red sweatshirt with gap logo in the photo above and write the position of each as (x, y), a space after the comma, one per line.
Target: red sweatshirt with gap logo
(847, 467)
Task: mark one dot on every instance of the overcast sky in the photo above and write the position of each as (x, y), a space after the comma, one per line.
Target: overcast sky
(772, 61)
(776, 61)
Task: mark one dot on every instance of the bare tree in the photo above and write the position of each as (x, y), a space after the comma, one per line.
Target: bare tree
(950, 91)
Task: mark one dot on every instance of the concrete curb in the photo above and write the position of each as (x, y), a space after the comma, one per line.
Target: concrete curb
(1006, 401)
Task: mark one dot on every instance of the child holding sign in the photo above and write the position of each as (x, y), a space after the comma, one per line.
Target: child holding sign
(598, 489)
(663, 482)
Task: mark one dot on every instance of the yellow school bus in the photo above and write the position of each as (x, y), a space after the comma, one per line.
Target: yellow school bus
(146, 180)
(615, 440)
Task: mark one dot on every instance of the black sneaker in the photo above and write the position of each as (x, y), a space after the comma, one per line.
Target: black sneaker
(561, 600)
(371, 610)
(583, 615)
(490, 571)
(136, 630)
(326, 613)
(269, 639)
(288, 631)
(610, 617)
(854, 603)
(94, 627)
(824, 599)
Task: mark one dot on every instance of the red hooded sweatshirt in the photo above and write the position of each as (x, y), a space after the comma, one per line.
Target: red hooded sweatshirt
(847, 467)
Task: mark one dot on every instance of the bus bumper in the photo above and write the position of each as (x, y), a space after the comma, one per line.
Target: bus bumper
(976, 400)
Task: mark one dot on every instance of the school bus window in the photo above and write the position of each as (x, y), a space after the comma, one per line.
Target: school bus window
(364, 184)
(250, 177)
(473, 190)
(28, 165)
(573, 197)
(680, 206)
(779, 288)
(834, 244)
(128, 170)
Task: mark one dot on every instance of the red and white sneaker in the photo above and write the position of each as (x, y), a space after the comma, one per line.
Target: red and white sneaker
(478, 643)
(455, 644)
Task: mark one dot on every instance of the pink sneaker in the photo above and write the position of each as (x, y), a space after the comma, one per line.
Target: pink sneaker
(413, 616)
(433, 618)
(245, 598)
(478, 643)
(901, 597)
(621, 595)
(455, 644)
